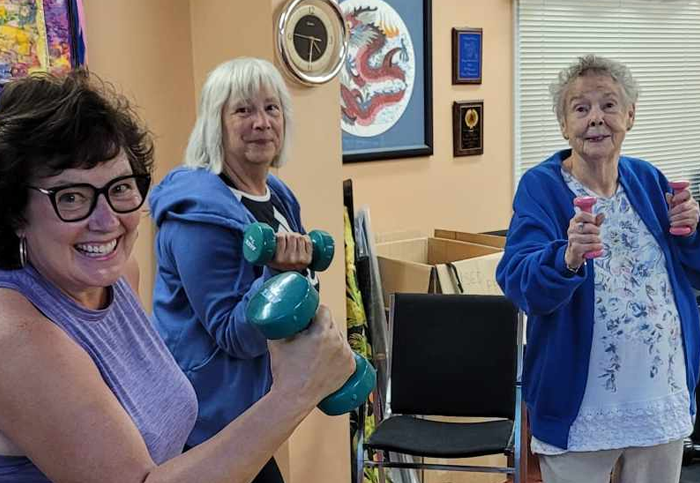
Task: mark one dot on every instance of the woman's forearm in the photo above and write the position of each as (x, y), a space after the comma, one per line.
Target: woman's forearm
(238, 452)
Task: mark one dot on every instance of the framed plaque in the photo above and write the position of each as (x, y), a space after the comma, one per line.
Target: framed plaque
(467, 46)
(467, 128)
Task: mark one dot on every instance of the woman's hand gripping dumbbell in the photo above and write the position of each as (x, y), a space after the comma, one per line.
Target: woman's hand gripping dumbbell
(682, 207)
(260, 246)
(284, 306)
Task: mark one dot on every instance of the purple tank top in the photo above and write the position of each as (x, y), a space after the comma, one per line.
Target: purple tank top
(130, 355)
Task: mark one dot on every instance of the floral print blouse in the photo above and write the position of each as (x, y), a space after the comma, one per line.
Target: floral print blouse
(635, 392)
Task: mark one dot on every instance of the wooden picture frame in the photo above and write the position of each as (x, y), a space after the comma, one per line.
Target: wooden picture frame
(467, 128)
(467, 55)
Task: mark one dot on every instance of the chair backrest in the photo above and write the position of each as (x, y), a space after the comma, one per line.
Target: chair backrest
(453, 355)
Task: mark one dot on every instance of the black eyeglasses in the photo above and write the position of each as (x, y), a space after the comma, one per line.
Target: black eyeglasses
(75, 202)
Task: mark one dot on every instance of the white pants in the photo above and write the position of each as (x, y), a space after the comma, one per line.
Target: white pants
(655, 464)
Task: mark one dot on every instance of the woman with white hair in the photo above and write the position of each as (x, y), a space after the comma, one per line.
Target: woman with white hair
(203, 283)
(613, 352)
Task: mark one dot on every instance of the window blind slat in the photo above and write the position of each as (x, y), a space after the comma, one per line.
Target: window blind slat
(658, 40)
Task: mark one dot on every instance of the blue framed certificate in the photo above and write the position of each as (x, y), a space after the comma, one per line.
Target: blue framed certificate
(467, 47)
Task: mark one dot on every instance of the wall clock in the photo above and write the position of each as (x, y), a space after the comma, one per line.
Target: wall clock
(312, 40)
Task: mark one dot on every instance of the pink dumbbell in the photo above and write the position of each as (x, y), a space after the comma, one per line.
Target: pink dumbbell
(586, 204)
(679, 186)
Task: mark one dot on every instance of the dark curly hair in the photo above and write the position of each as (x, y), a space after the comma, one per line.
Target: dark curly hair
(49, 124)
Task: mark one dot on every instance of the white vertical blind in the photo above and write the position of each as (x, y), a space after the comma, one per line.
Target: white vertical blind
(658, 40)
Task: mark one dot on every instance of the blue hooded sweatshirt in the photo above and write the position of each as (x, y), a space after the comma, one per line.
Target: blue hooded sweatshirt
(202, 287)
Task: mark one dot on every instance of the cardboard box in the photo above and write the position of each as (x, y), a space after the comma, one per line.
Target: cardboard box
(478, 276)
(480, 238)
(437, 265)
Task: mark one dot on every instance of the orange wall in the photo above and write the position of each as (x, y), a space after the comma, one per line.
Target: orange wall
(144, 49)
(471, 193)
(159, 52)
(222, 30)
(318, 451)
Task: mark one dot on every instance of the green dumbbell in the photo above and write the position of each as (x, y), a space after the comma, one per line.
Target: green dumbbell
(284, 306)
(259, 245)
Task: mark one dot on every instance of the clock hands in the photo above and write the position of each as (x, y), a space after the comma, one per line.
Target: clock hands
(312, 39)
(312, 44)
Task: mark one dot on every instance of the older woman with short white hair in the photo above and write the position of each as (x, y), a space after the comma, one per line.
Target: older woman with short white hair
(613, 351)
(203, 283)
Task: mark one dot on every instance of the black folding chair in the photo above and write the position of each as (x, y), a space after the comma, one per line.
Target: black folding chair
(450, 355)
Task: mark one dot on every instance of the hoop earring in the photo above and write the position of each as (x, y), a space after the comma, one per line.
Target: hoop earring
(22, 251)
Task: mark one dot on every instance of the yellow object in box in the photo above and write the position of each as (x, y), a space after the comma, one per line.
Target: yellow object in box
(437, 265)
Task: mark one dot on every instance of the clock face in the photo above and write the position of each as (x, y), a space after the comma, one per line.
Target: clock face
(312, 40)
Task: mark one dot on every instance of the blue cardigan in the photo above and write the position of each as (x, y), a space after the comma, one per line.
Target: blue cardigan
(560, 305)
(202, 286)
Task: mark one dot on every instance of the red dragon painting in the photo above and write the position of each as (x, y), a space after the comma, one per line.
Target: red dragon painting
(377, 78)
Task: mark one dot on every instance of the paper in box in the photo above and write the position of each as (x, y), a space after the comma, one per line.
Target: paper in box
(474, 276)
(477, 276)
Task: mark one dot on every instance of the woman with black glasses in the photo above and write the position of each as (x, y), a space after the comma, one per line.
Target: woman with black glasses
(88, 390)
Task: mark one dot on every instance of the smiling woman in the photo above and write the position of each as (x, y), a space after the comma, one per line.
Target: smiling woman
(88, 389)
(243, 129)
(74, 172)
(613, 340)
(53, 173)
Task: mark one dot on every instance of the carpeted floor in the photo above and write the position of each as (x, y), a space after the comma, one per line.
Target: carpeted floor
(691, 474)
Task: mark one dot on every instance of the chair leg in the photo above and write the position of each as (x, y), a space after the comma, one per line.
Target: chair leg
(360, 450)
(524, 462)
(531, 472)
(382, 475)
(360, 465)
(533, 467)
(521, 472)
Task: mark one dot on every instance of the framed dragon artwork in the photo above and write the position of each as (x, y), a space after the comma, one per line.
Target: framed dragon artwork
(40, 36)
(386, 81)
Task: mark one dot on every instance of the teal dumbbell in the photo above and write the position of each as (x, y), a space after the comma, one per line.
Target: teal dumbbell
(285, 305)
(259, 245)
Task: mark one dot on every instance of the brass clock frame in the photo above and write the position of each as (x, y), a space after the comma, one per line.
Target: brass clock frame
(332, 68)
